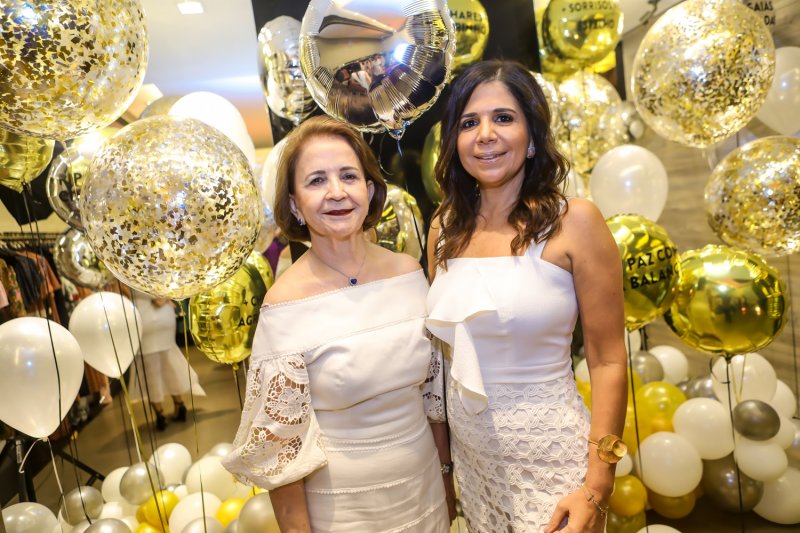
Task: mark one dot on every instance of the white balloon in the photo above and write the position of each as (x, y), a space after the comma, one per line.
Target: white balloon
(244, 492)
(219, 113)
(181, 491)
(671, 465)
(634, 340)
(784, 400)
(29, 517)
(751, 378)
(673, 361)
(624, 466)
(781, 500)
(29, 384)
(215, 478)
(221, 449)
(658, 528)
(192, 507)
(629, 179)
(110, 487)
(706, 423)
(575, 185)
(107, 327)
(761, 460)
(269, 174)
(582, 371)
(781, 109)
(81, 527)
(173, 460)
(785, 435)
(118, 510)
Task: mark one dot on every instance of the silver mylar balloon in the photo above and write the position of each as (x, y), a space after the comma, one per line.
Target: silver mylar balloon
(401, 224)
(647, 366)
(683, 386)
(376, 63)
(211, 525)
(701, 387)
(756, 420)
(220, 449)
(793, 451)
(720, 484)
(109, 525)
(81, 502)
(279, 63)
(29, 517)
(75, 260)
(64, 182)
(257, 515)
(135, 484)
(233, 527)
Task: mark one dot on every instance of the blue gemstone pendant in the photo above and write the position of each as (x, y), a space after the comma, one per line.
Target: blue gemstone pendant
(353, 281)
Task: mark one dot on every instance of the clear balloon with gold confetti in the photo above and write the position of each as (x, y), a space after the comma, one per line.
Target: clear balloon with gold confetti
(69, 66)
(753, 196)
(170, 206)
(702, 71)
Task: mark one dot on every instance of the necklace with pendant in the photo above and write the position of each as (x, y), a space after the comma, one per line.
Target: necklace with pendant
(352, 279)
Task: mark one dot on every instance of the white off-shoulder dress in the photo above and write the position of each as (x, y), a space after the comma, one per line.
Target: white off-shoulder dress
(335, 397)
(518, 426)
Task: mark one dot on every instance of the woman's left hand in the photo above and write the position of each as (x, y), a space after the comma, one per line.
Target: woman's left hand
(582, 515)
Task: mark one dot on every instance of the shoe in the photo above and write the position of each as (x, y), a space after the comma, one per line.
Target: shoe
(161, 422)
(180, 413)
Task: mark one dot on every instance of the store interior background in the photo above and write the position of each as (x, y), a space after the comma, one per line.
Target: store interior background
(216, 52)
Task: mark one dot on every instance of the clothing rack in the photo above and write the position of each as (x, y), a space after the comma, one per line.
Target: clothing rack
(47, 239)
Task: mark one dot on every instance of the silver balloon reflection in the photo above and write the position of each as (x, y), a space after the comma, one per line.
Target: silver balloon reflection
(64, 183)
(29, 517)
(257, 515)
(701, 387)
(721, 485)
(135, 485)
(75, 260)
(80, 503)
(233, 527)
(647, 366)
(756, 420)
(401, 228)
(108, 525)
(377, 63)
(204, 524)
(279, 64)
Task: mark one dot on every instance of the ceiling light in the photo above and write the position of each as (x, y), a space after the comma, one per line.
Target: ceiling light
(190, 7)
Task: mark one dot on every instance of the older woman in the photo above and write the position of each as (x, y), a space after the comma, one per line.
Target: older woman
(334, 425)
(515, 263)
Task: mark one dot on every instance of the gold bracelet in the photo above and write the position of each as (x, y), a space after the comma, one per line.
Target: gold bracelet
(590, 498)
(610, 449)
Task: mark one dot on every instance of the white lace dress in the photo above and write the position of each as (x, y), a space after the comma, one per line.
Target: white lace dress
(518, 425)
(335, 396)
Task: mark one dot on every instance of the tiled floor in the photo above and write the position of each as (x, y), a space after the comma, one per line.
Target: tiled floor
(102, 446)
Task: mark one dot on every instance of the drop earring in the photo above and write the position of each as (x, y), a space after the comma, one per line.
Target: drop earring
(531, 150)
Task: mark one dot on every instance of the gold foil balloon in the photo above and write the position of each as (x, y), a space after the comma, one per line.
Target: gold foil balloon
(22, 158)
(702, 71)
(376, 63)
(472, 31)
(171, 206)
(401, 227)
(76, 261)
(223, 319)
(727, 301)
(69, 66)
(584, 99)
(581, 30)
(753, 196)
(279, 63)
(649, 268)
(430, 155)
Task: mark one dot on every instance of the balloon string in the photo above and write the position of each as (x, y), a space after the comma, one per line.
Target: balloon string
(794, 338)
(55, 470)
(73, 440)
(21, 468)
(733, 436)
(125, 430)
(235, 368)
(633, 400)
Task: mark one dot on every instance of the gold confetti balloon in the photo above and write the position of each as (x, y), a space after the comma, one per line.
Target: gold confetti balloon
(585, 133)
(377, 65)
(727, 301)
(75, 260)
(22, 158)
(586, 31)
(69, 66)
(223, 319)
(702, 71)
(649, 268)
(472, 31)
(170, 206)
(401, 226)
(753, 197)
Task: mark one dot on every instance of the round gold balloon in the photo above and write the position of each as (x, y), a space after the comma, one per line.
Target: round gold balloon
(430, 155)
(727, 301)
(753, 197)
(401, 227)
(223, 319)
(582, 30)
(22, 158)
(69, 66)
(649, 268)
(170, 206)
(584, 135)
(377, 65)
(472, 31)
(702, 71)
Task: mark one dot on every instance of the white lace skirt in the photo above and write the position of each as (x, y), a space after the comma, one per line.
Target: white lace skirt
(515, 460)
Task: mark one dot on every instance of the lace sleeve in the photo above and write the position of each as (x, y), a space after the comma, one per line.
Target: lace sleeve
(433, 388)
(278, 438)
